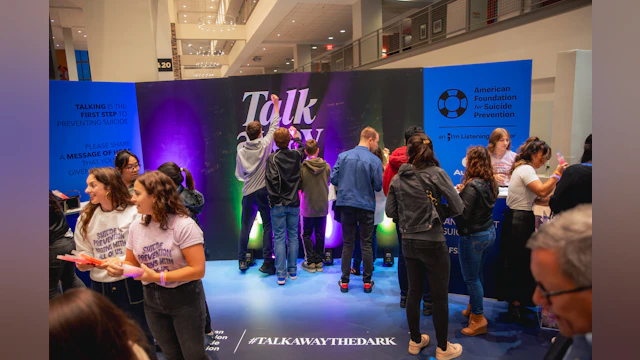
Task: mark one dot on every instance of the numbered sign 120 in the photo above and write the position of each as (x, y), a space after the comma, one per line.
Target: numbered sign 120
(165, 64)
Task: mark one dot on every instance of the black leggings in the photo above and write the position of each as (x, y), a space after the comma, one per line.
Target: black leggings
(428, 259)
(519, 284)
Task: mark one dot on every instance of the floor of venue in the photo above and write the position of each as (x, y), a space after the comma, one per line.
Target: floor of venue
(309, 318)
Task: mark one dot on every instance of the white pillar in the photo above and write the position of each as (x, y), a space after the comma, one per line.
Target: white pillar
(301, 55)
(572, 105)
(70, 53)
(367, 18)
(122, 40)
(163, 37)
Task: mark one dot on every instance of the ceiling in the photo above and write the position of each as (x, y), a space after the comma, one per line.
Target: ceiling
(67, 13)
(310, 23)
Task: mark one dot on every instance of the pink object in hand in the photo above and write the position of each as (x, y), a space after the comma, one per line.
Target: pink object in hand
(132, 271)
(561, 159)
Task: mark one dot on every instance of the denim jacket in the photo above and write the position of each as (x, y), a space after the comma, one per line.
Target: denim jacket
(358, 175)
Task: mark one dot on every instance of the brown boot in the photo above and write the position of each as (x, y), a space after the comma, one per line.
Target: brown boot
(467, 312)
(477, 325)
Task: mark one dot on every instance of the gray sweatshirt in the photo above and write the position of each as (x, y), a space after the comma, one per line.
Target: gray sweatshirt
(251, 160)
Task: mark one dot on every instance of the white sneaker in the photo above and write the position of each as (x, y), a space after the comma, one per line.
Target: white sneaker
(453, 351)
(414, 349)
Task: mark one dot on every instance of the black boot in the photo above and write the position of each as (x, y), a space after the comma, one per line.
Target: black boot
(403, 301)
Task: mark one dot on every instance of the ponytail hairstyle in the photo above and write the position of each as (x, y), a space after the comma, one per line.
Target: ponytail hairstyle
(479, 166)
(420, 151)
(586, 155)
(175, 173)
(532, 146)
(166, 198)
(120, 196)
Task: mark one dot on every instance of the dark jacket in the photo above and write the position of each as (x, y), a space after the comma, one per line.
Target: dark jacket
(410, 207)
(574, 188)
(314, 175)
(357, 175)
(478, 200)
(58, 225)
(283, 176)
(193, 200)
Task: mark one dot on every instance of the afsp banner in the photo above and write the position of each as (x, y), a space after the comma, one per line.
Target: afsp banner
(89, 123)
(464, 104)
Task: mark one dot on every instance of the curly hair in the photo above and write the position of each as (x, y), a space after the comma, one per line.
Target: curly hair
(479, 166)
(166, 198)
(118, 192)
(532, 146)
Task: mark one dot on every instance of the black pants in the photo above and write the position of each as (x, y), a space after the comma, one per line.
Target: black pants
(357, 251)
(251, 204)
(176, 317)
(428, 259)
(127, 295)
(351, 218)
(517, 283)
(317, 226)
(402, 273)
(60, 270)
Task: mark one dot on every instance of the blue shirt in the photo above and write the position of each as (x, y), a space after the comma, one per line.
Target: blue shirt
(358, 175)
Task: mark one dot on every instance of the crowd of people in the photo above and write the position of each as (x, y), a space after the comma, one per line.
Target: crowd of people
(134, 219)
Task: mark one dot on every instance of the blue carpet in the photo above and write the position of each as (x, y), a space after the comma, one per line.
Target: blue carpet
(254, 317)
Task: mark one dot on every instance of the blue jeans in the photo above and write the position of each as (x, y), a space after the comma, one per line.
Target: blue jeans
(472, 254)
(285, 219)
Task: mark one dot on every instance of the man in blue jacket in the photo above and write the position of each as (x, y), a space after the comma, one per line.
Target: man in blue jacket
(358, 175)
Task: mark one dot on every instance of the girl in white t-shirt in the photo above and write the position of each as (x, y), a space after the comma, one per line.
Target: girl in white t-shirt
(167, 244)
(502, 158)
(101, 232)
(519, 223)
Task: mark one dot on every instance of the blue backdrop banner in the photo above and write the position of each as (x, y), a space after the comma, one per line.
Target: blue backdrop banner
(462, 106)
(89, 123)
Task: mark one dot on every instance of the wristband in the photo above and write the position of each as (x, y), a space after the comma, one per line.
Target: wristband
(162, 282)
(556, 176)
(557, 173)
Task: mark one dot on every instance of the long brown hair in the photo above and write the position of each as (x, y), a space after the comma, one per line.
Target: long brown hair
(175, 173)
(532, 146)
(420, 151)
(166, 198)
(496, 135)
(118, 193)
(83, 324)
(479, 166)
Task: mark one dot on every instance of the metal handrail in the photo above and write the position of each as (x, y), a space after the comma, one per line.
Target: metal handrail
(512, 7)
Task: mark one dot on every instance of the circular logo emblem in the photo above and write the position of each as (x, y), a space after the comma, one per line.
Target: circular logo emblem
(452, 103)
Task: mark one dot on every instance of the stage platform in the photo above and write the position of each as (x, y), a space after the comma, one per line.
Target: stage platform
(309, 318)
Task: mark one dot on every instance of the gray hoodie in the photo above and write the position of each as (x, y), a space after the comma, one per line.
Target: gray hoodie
(251, 160)
(314, 174)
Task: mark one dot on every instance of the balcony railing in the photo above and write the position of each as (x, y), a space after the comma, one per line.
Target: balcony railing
(437, 22)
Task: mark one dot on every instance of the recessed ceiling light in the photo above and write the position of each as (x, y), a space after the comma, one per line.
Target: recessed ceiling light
(189, 45)
(275, 70)
(190, 53)
(185, 16)
(264, 49)
(248, 65)
(343, 31)
(293, 21)
(57, 44)
(278, 34)
(330, 37)
(210, 7)
(288, 63)
(79, 31)
(51, 20)
(185, 21)
(85, 36)
(240, 71)
(54, 37)
(293, 59)
(314, 47)
(184, 6)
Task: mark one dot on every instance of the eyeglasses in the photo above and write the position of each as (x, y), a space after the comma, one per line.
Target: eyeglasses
(133, 166)
(548, 294)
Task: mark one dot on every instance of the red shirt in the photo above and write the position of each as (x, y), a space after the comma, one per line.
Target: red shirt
(396, 159)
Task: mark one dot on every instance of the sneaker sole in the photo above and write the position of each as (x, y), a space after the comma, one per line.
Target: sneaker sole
(368, 290)
(293, 277)
(449, 357)
(320, 269)
(309, 270)
(281, 282)
(268, 272)
(420, 349)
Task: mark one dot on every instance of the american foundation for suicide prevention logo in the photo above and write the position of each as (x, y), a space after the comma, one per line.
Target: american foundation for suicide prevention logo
(452, 103)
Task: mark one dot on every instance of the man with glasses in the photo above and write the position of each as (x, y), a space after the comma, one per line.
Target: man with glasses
(561, 265)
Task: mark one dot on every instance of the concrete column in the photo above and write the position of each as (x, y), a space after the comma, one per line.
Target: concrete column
(70, 53)
(572, 105)
(122, 40)
(163, 36)
(367, 18)
(301, 55)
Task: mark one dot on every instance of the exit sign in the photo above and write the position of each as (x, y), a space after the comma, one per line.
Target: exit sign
(330, 47)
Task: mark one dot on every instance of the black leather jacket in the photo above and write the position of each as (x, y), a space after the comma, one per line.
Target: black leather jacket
(410, 207)
(478, 199)
(283, 176)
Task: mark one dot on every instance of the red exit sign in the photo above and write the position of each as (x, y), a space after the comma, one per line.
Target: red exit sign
(330, 47)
